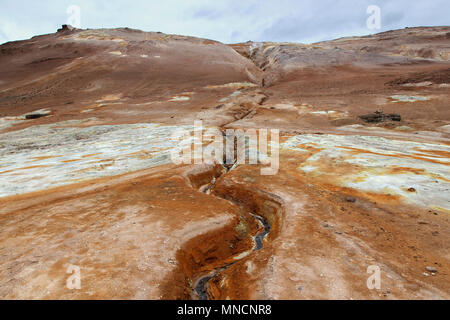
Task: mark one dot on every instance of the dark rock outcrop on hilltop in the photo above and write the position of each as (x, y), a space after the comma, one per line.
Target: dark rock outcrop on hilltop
(66, 27)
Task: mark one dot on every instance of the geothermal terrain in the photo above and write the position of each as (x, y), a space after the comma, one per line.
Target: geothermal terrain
(87, 119)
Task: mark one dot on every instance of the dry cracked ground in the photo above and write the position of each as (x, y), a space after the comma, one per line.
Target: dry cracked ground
(87, 119)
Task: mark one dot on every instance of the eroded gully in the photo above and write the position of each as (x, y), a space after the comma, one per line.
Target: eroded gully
(200, 289)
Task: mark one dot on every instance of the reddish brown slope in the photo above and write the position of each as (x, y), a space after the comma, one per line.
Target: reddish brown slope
(348, 194)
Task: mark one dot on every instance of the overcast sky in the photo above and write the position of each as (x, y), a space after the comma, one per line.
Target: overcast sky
(228, 21)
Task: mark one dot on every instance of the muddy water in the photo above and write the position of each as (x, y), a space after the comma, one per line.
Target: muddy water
(200, 286)
(259, 244)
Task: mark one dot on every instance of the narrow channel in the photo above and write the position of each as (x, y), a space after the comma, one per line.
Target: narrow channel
(200, 286)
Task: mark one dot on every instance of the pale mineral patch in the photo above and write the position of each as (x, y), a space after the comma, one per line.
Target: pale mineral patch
(233, 85)
(111, 97)
(419, 84)
(405, 98)
(329, 113)
(231, 96)
(382, 166)
(119, 149)
(445, 128)
(179, 98)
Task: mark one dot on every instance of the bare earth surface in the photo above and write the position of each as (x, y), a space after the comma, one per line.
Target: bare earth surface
(86, 178)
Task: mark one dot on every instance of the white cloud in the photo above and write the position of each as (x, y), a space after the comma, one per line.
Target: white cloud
(11, 31)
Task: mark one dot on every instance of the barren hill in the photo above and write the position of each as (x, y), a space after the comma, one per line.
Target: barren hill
(87, 119)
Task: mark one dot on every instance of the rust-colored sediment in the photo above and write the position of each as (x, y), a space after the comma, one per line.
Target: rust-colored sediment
(141, 227)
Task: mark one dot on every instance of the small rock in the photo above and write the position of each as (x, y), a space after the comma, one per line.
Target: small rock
(35, 116)
(350, 199)
(380, 116)
(431, 269)
(411, 190)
